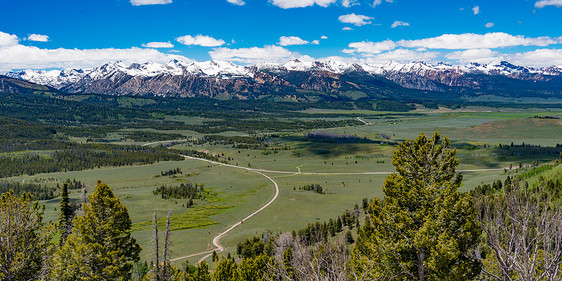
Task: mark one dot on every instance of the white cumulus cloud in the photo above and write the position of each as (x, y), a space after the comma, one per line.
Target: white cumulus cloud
(399, 23)
(150, 2)
(357, 20)
(370, 47)
(324, 37)
(476, 10)
(474, 55)
(402, 56)
(378, 2)
(477, 41)
(288, 4)
(38, 38)
(347, 28)
(200, 40)
(8, 39)
(540, 57)
(315, 42)
(349, 3)
(489, 24)
(31, 57)
(254, 54)
(291, 40)
(158, 45)
(544, 3)
(236, 2)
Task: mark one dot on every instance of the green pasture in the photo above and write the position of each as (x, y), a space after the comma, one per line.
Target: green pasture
(235, 193)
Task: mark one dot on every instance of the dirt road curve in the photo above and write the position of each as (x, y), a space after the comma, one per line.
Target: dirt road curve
(216, 240)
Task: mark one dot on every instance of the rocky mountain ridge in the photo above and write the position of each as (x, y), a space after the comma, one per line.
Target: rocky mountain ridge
(218, 78)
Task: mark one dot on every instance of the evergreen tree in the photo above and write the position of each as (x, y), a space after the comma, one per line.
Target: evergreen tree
(255, 269)
(423, 229)
(201, 272)
(287, 259)
(24, 238)
(100, 246)
(226, 270)
(349, 237)
(66, 214)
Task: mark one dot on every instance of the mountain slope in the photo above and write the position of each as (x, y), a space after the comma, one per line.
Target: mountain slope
(226, 80)
(17, 86)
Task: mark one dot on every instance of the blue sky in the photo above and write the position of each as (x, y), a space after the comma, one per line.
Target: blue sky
(84, 33)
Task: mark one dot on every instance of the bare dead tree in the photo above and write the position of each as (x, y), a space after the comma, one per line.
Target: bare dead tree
(325, 260)
(167, 244)
(157, 258)
(524, 232)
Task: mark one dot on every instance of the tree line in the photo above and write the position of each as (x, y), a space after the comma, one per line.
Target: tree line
(76, 157)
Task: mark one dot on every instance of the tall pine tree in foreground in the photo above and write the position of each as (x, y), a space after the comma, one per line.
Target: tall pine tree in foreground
(423, 229)
(25, 240)
(100, 246)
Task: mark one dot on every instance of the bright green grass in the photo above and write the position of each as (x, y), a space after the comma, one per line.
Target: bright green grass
(239, 192)
(476, 127)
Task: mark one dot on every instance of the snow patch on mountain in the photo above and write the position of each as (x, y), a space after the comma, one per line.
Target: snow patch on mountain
(227, 70)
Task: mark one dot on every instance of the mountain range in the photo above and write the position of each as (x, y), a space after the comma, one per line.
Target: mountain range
(304, 79)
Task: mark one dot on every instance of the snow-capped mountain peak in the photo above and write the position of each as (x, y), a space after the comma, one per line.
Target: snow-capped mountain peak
(416, 75)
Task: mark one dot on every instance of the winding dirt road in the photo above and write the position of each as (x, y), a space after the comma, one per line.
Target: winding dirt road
(216, 239)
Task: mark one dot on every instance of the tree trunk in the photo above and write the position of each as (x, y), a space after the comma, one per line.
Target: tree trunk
(421, 268)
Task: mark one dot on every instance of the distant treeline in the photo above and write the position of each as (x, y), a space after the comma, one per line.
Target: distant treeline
(199, 154)
(319, 136)
(65, 156)
(143, 136)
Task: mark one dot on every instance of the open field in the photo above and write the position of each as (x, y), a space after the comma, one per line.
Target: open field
(235, 193)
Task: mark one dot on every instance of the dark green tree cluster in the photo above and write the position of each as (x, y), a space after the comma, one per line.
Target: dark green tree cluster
(312, 187)
(170, 172)
(256, 246)
(316, 232)
(183, 191)
(248, 269)
(487, 189)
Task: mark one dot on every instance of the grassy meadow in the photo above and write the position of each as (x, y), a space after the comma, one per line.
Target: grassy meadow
(234, 193)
